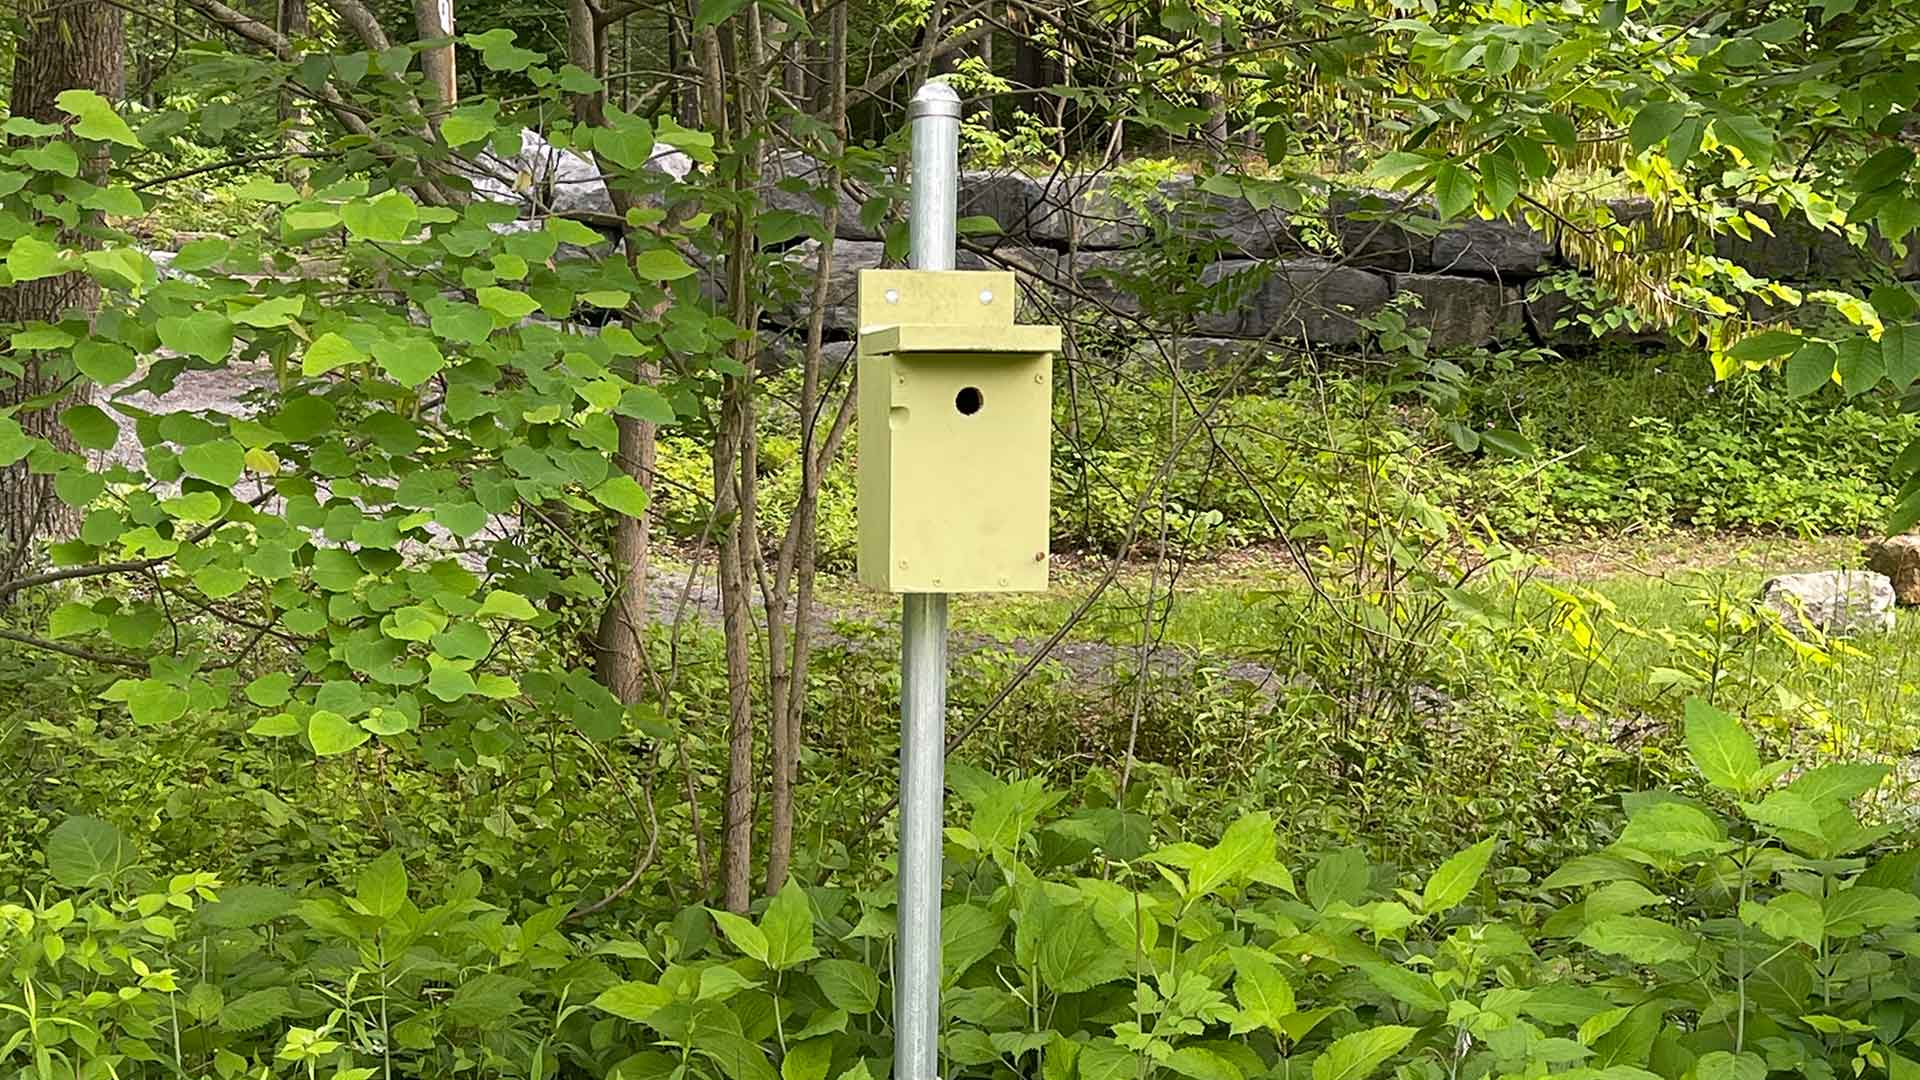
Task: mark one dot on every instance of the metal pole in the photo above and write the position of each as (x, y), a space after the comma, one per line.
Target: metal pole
(935, 115)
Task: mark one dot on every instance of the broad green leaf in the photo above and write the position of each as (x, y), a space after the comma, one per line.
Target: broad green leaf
(206, 334)
(807, 1060)
(788, 926)
(1261, 990)
(633, 1000)
(1720, 748)
(1357, 1056)
(1653, 123)
(485, 999)
(219, 462)
(501, 604)
(83, 852)
(1886, 167)
(90, 427)
(329, 351)
(410, 360)
(746, 937)
(622, 494)
(1640, 939)
(97, 120)
(270, 691)
(1767, 345)
(332, 733)
(1245, 846)
(1859, 364)
(1724, 1065)
(1500, 178)
(1810, 369)
(103, 361)
(154, 701)
(1859, 908)
(382, 886)
(1900, 351)
(1455, 879)
(31, 258)
(73, 620)
(660, 264)
(469, 124)
(1749, 135)
(847, 984)
(1453, 190)
(510, 305)
(1407, 986)
(1788, 917)
(389, 217)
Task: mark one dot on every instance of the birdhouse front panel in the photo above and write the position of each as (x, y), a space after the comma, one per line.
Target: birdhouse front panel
(955, 417)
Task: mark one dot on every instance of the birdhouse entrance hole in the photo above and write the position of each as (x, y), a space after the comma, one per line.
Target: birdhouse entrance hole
(968, 400)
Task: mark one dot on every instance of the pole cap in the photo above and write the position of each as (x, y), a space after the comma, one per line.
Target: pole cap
(934, 99)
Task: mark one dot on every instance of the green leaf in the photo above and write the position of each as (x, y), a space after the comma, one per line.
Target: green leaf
(219, 462)
(410, 361)
(745, 936)
(1653, 123)
(206, 334)
(329, 351)
(1453, 190)
(243, 906)
(1884, 169)
(1767, 345)
(153, 702)
(1788, 917)
(1500, 177)
(332, 733)
(1720, 748)
(847, 984)
(1724, 1065)
(622, 494)
(270, 691)
(486, 999)
(660, 264)
(1509, 443)
(73, 620)
(1395, 166)
(31, 258)
(90, 427)
(1859, 364)
(1455, 879)
(1900, 351)
(633, 1000)
(1748, 135)
(715, 12)
(469, 124)
(257, 1009)
(510, 305)
(501, 604)
(1356, 1056)
(1810, 368)
(1859, 908)
(1640, 939)
(97, 120)
(788, 926)
(1245, 846)
(388, 218)
(807, 1060)
(103, 361)
(1261, 991)
(84, 851)
(1407, 986)
(382, 886)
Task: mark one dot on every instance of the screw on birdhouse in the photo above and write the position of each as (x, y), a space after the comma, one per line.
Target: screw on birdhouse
(1039, 378)
(986, 296)
(893, 296)
(1039, 556)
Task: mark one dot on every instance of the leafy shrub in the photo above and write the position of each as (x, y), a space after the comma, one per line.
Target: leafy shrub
(1693, 944)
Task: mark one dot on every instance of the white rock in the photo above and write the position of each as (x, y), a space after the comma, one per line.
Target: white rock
(1833, 601)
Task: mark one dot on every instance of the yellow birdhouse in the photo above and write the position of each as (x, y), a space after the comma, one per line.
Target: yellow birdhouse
(956, 421)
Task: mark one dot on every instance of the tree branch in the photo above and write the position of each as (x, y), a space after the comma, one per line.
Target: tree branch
(74, 651)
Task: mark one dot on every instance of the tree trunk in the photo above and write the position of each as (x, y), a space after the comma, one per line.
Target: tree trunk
(68, 45)
(433, 19)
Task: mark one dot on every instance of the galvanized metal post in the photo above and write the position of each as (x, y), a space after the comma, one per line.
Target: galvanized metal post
(935, 116)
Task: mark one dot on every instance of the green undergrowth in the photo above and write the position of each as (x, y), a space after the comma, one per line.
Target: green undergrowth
(1739, 925)
(1608, 444)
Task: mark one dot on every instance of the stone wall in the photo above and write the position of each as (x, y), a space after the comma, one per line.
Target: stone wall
(1292, 277)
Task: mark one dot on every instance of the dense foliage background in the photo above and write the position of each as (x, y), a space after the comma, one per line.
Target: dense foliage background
(426, 508)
